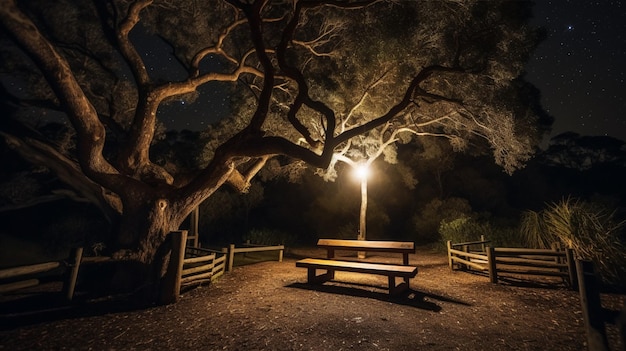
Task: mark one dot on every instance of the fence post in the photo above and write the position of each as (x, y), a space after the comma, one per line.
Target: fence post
(73, 262)
(571, 268)
(449, 244)
(482, 244)
(620, 321)
(466, 250)
(195, 220)
(280, 255)
(171, 281)
(593, 313)
(231, 257)
(491, 261)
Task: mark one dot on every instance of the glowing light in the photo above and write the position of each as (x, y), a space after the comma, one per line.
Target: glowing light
(362, 171)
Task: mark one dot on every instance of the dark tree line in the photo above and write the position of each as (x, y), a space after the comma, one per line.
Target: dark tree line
(463, 184)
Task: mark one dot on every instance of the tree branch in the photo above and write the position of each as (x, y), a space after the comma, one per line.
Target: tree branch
(424, 74)
(68, 171)
(303, 98)
(127, 49)
(241, 181)
(82, 115)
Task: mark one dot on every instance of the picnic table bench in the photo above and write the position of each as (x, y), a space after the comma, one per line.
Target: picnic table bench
(404, 271)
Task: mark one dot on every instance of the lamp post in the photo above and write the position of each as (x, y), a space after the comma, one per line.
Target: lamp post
(362, 171)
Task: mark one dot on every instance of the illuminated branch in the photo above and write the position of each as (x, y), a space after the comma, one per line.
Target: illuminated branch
(253, 13)
(362, 99)
(424, 74)
(241, 182)
(327, 33)
(217, 49)
(347, 5)
(129, 52)
(134, 158)
(302, 97)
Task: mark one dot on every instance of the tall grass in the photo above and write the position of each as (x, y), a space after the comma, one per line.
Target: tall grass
(590, 230)
(534, 231)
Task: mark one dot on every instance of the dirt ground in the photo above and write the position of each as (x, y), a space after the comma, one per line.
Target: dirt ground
(269, 306)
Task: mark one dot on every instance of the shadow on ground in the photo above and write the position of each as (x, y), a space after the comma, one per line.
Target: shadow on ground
(48, 307)
(525, 281)
(410, 297)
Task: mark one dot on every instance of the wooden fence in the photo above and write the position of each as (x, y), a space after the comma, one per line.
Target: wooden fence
(188, 265)
(549, 262)
(595, 316)
(202, 265)
(194, 265)
(519, 261)
(231, 250)
(26, 276)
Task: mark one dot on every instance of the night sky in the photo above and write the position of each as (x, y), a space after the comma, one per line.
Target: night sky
(580, 68)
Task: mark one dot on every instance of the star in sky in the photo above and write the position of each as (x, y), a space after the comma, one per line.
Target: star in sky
(161, 63)
(580, 68)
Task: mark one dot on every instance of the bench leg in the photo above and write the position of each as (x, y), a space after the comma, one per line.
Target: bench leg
(313, 278)
(397, 289)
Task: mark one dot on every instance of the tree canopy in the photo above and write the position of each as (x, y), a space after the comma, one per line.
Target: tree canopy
(305, 79)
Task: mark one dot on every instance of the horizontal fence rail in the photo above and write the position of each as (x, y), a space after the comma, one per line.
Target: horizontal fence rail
(231, 250)
(538, 262)
(22, 277)
(188, 265)
(194, 265)
(201, 265)
(521, 261)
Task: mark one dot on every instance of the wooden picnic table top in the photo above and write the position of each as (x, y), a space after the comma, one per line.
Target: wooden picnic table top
(367, 245)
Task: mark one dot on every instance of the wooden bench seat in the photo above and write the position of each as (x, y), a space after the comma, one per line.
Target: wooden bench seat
(392, 271)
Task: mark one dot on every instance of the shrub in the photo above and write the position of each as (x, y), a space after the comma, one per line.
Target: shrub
(427, 220)
(467, 228)
(459, 230)
(269, 237)
(589, 229)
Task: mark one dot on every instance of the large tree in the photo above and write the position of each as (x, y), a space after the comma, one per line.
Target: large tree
(304, 78)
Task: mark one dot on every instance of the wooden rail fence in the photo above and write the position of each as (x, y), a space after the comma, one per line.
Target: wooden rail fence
(231, 250)
(202, 265)
(16, 278)
(188, 265)
(595, 316)
(194, 265)
(520, 261)
(547, 262)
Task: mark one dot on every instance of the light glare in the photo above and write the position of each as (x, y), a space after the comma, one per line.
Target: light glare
(362, 171)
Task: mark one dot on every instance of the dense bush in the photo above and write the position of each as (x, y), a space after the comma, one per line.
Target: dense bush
(427, 220)
(466, 228)
(590, 229)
